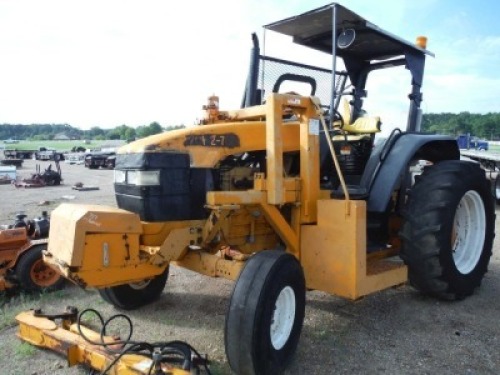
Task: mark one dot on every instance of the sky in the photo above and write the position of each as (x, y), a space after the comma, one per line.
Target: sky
(111, 62)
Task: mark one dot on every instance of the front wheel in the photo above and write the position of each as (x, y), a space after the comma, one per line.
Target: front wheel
(134, 295)
(34, 275)
(448, 233)
(265, 315)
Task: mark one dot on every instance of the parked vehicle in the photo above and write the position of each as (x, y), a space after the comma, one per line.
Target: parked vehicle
(21, 263)
(48, 177)
(48, 154)
(75, 158)
(98, 159)
(468, 142)
(289, 194)
(18, 154)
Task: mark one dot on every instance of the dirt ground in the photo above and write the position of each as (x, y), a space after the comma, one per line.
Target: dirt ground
(397, 331)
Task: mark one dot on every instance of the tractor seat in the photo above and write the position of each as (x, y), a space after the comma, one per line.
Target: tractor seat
(363, 125)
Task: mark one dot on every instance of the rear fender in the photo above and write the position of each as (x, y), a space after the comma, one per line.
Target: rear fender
(409, 146)
(30, 244)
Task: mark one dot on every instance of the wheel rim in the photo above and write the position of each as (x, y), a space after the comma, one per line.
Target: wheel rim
(469, 232)
(42, 275)
(283, 318)
(140, 284)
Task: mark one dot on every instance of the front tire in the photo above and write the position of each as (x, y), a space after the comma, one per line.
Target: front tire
(448, 233)
(34, 275)
(266, 314)
(134, 295)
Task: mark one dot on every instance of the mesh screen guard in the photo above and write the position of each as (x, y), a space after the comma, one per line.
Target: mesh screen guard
(297, 77)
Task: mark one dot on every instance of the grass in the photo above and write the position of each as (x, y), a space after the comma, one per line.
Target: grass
(494, 148)
(11, 306)
(24, 350)
(217, 368)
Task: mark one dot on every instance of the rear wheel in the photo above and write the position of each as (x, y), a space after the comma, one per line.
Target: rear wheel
(448, 233)
(34, 275)
(134, 295)
(265, 315)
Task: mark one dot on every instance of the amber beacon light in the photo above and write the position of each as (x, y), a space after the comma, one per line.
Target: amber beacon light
(421, 42)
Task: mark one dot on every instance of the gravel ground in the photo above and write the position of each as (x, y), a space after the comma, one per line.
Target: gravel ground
(397, 331)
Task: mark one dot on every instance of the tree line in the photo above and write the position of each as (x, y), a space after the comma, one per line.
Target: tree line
(44, 132)
(485, 126)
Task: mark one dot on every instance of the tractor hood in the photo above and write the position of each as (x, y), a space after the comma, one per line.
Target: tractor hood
(208, 144)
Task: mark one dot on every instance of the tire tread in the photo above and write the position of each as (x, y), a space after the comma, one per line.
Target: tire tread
(426, 233)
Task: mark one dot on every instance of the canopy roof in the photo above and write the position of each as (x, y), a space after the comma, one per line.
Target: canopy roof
(314, 29)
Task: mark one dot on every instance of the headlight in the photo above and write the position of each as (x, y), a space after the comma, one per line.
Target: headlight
(143, 178)
(120, 176)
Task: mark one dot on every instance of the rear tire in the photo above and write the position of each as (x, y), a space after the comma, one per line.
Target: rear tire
(448, 233)
(34, 275)
(266, 314)
(134, 295)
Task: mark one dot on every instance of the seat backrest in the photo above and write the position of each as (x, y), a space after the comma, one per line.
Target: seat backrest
(346, 112)
(362, 125)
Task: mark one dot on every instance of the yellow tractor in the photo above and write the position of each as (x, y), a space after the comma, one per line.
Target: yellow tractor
(287, 194)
